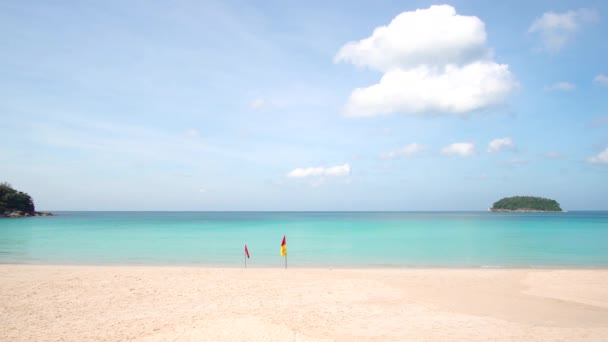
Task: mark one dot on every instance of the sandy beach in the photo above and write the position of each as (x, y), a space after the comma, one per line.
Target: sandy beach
(106, 303)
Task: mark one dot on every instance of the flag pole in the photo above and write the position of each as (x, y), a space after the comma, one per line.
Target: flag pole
(246, 255)
(284, 250)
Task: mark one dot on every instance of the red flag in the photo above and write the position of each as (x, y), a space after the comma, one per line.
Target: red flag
(284, 247)
(246, 252)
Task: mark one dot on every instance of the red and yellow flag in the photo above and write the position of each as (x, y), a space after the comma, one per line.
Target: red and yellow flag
(246, 252)
(284, 247)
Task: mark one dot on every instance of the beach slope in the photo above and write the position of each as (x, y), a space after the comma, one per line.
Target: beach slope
(103, 303)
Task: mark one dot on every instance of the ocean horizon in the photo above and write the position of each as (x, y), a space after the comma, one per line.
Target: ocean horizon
(317, 239)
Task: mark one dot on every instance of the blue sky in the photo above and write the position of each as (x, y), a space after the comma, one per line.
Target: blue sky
(285, 105)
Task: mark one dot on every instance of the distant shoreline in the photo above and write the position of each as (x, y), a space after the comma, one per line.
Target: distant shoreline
(524, 211)
(20, 214)
(308, 267)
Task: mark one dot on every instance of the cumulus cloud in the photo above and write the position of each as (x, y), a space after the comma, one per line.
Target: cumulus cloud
(406, 151)
(561, 86)
(338, 170)
(192, 133)
(259, 104)
(500, 144)
(600, 158)
(601, 79)
(463, 149)
(556, 29)
(436, 35)
(432, 60)
(449, 89)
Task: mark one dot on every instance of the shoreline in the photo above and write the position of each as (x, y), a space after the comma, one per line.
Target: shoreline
(156, 303)
(525, 211)
(318, 268)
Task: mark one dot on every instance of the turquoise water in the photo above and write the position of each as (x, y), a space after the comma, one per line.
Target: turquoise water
(314, 239)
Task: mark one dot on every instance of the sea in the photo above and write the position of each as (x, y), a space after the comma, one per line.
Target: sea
(314, 239)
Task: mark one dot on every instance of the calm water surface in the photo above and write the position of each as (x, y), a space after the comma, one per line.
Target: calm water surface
(314, 239)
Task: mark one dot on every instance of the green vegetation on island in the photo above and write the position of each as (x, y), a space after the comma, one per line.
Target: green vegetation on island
(526, 204)
(15, 203)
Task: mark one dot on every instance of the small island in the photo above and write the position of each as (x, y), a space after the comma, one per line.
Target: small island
(526, 204)
(15, 203)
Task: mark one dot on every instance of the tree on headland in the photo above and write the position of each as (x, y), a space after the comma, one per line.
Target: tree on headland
(526, 203)
(12, 200)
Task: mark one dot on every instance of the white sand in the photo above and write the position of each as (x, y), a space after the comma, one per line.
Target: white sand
(95, 303)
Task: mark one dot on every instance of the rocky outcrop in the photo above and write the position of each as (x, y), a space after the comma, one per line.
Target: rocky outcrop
(14, 203)
(18, 213)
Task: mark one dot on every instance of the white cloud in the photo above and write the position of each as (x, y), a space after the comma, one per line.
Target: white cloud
(463, 149)
(260, 104)
(192, 133)
(433, 60)
(338, 170)
(561, 86)
(600, 158)
(553, 155)
(556, 29)
(601, 79)
(436, 36)
(407, 151)
(449, 89)
(500, 144)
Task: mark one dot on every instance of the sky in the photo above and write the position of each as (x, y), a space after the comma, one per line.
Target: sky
(304, 105)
